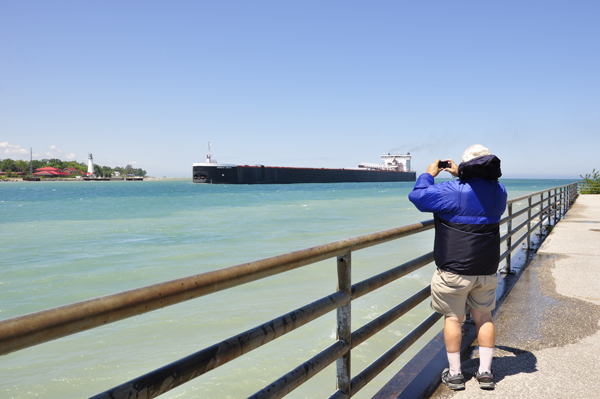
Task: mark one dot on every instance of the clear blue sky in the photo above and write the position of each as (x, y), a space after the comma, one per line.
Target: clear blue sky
(305, 83)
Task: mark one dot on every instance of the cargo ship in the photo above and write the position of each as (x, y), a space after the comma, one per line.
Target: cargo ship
(395, 167)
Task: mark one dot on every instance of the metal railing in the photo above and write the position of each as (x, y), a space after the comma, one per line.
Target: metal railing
(550, 206)
(33, 329)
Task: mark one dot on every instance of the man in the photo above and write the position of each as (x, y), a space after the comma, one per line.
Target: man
(466, 251)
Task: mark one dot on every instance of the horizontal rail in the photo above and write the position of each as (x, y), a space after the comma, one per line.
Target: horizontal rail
(302, 373)
(588, 187)
(516, 244)
(513, 216)
(513, 247)
(164, 379)
(517, 199)
(368, 330)
(536, 226)
(547, 209)
(514, 230)
(28, 330)
(379, 280)
(367, 375)
(181, 371)
(535, 215)
(560, 200)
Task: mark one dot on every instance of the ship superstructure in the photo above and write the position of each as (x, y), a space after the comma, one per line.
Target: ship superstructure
(398, 162)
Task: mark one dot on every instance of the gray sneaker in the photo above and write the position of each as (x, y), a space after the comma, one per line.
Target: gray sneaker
(455, 382)
(486, 380)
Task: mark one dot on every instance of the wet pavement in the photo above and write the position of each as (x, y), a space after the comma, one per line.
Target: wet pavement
(548, 328)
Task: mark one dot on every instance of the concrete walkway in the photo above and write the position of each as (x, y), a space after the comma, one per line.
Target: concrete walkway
(548, 328)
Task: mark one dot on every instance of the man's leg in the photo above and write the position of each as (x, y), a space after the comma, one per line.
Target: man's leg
(449, 293)
(486, 335)
(486, 332)
(453, 333)
(453, 339)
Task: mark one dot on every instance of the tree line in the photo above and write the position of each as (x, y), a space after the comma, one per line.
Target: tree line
(14, 166)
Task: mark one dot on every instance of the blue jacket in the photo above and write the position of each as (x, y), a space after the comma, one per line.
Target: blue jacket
(466, 214)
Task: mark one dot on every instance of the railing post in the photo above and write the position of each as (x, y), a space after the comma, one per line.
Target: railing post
(563, 202)
(541, 214)
(556, 210)
(556, 206)
(529, 223)
(560, 211)
(344, 327)
(509, 239)
(549, 209)
(571, 196)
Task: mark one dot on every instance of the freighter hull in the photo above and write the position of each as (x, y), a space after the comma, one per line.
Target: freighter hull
(236, 174)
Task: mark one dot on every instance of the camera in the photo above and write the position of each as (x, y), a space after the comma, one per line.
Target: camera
(443, 164)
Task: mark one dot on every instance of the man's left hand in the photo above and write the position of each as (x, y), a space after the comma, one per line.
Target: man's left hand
(453, 168)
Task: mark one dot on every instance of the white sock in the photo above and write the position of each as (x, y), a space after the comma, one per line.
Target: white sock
(485, 359)
(454, 362)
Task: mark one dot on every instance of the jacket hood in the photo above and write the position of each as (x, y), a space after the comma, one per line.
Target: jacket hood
(485, 167)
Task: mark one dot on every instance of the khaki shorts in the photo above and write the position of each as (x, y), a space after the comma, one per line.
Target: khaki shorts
(453, 294)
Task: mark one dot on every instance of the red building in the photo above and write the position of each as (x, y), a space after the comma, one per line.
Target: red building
(49, 171)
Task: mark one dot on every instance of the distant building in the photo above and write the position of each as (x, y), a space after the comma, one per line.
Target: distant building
(49, 171)
(90, 164)
(72, 170)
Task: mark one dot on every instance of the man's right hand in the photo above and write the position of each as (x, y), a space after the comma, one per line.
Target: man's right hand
(433, 169)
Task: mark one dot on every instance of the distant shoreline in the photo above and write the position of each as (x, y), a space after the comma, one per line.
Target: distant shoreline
(154, 178)
(148, 178)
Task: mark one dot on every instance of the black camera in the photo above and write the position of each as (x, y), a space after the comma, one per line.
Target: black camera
(443, 164)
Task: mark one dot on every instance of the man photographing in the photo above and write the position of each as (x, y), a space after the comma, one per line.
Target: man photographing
(466, 213)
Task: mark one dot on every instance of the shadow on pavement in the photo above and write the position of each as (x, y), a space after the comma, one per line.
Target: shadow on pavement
(507, 361)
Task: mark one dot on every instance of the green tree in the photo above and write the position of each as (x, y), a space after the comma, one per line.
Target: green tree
(106, 171)
(22, 166)
(76, 165)
(38, 164)
(8, 165)
(139, 172)
(121, 170)
(55, 163)
(591, 183)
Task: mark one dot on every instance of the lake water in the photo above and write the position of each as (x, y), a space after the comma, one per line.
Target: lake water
(63, 242)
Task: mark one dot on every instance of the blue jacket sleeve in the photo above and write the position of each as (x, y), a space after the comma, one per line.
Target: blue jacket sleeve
(427, 196)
